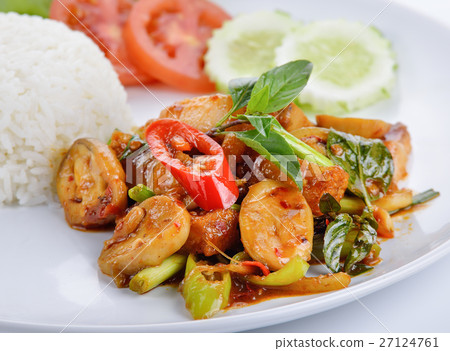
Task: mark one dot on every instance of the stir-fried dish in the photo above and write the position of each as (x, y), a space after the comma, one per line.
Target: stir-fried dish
(233, 197)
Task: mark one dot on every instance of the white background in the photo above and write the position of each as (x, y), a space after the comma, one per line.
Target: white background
(420, 303)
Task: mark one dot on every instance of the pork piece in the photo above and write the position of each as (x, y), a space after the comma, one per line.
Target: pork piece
(321, 180)
(120, 141)
(398, 141)
(232, 146)
(217, 226)
(316, 180)
(202, 112)
(292, 118)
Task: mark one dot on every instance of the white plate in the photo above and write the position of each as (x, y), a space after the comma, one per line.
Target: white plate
(50, 275)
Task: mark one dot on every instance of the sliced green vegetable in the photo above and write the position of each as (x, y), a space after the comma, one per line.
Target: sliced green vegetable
(278, 87)
(205, 297)
(354, 65)
(367, 161)
(376, 249)
(420, 198)
(140, 193)
(235, 207)
(352, 205)
(151, 277)
(301, 149)
(245, 46)
(291, 272)
(242, 256)
(334, 240)
(29, 7)
(426, 196)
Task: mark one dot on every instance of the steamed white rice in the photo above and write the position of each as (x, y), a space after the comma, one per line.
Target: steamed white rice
(55, 86)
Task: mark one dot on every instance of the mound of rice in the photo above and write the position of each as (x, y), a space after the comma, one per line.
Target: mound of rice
(55, 86)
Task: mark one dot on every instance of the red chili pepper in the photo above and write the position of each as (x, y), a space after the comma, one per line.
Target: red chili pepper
(262, 267)
(208, 180)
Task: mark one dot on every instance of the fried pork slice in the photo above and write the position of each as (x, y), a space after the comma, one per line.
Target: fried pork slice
(318, 181)
(398, 142)
(218, 227)
(202, 112)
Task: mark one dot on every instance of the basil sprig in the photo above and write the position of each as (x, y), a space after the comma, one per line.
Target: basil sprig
(334, 239)
(366, 237)
(347, 237)
(278, 87)
(271, 92)
(365, 160)
(240, 91)
(274, 148)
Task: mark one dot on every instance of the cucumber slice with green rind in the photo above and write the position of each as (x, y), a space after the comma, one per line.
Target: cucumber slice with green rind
(245, 46)
(354, 65)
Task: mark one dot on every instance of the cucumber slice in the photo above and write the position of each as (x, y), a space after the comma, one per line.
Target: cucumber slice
(245, 46)
(354, 66)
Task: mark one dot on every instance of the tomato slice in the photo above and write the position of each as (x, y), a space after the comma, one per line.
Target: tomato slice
(167, 39)
(103, 21)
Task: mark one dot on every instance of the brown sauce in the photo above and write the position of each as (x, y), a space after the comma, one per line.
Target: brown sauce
(244, 293)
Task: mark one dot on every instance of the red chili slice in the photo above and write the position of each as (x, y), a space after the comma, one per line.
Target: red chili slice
(208, 180)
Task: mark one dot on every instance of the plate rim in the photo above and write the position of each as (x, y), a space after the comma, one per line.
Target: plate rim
(281, 314)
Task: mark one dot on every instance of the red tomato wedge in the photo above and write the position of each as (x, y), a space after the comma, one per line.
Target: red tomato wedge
(102, 21)
(167, 40)
(207, 178)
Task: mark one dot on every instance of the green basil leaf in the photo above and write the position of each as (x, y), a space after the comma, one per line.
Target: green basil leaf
(334, 240)
(278, 87)
(367, 161)
(362, 245)
(259, 100)
(261, 123)
(240, 91)
(317, 250)
(358, 269)
(275, 149)
(328, 204)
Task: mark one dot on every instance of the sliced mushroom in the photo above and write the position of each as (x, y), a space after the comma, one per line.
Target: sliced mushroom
(292, 117)
(202, 112)
(91, 184)
(367, 128)
(398, 141)
(150, 232)
(276, 224)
